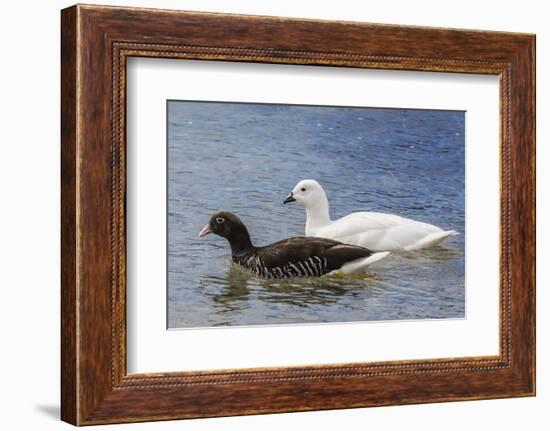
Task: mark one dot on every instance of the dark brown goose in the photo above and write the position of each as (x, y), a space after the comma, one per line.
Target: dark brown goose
(292, 257)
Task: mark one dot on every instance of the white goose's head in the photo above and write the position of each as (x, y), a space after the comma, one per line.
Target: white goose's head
(309, 193)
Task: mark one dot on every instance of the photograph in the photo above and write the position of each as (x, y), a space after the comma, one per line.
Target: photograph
(297, 214)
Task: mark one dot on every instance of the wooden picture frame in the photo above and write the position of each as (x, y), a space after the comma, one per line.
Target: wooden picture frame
(95, 43)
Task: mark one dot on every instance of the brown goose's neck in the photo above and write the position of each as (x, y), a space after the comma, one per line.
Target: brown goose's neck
(239, 240)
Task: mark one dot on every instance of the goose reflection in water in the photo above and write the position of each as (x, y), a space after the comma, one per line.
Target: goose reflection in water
(301, 292)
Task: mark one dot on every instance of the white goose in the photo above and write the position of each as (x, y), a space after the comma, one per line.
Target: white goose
(373, 230)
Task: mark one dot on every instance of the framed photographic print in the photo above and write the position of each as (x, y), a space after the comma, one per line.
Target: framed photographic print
(265, 215)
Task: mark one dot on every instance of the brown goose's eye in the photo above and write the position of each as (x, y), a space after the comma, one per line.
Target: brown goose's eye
(220, 220)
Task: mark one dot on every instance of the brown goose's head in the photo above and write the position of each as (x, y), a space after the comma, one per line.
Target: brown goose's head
(230, 227)
(222, 223)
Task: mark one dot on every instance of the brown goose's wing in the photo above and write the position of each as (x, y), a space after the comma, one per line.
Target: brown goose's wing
(300, 249)
(340, 254)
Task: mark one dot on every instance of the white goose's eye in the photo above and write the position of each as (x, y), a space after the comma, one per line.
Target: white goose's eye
(303, 189)
(220, 220)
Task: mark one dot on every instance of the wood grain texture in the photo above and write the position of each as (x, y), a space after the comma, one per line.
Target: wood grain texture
(96, 41)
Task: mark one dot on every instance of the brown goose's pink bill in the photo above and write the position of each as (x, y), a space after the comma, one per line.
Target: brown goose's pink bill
(205, 231)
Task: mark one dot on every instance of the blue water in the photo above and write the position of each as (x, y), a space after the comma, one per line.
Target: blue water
(246, 158)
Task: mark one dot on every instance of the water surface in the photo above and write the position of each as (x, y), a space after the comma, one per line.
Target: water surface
(246, 158)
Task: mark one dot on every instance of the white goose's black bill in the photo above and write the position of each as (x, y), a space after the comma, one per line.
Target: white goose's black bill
(289, 198)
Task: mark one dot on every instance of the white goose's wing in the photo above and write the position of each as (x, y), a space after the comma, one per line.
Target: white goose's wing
(378, 231)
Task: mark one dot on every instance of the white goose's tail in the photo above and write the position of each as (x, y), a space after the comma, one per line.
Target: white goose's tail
(360, 265)
(432, 239)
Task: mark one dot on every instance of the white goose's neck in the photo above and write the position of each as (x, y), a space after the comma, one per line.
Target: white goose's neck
(317, 214)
